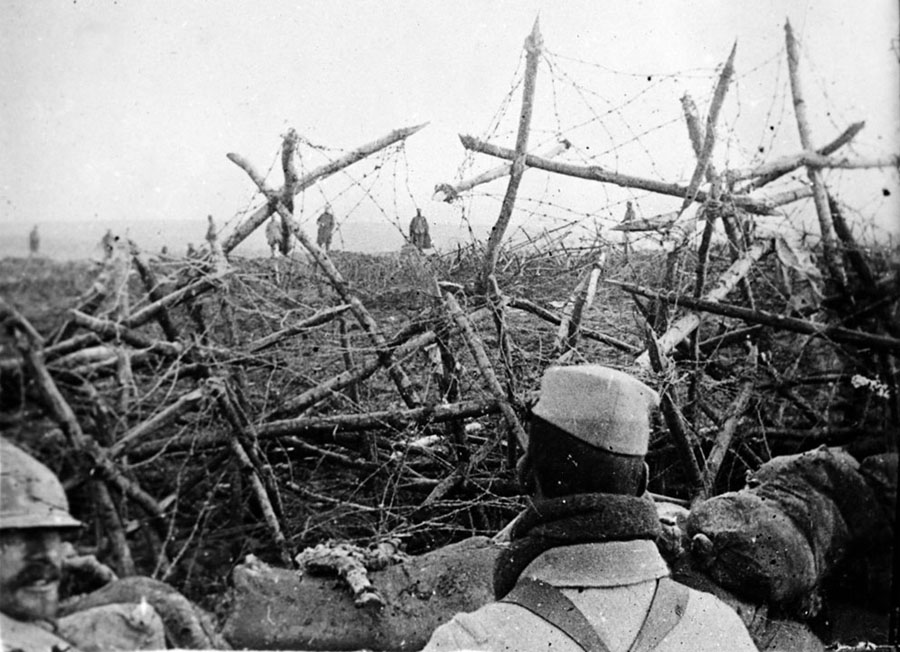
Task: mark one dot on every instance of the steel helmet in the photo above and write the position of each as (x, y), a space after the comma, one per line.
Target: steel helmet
(31, 496)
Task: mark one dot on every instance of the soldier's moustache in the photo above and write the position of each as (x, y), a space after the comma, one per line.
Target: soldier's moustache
(33, 573)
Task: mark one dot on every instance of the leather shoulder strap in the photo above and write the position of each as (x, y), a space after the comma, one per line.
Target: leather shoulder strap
(552, 605)
(666, 609)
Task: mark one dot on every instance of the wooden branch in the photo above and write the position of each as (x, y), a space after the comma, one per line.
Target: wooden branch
(678, 331)
(84, 444)
(553, 318)
(816, 160)
(725, 437)
(692, 119)
(110, 330)
(449, 193)
(476, 347)
(852, 250)
(321, 317)
(758, 205)
(347, 430)
(289, 169)
(681, 435)
(187, 293)
(579, 302)
(347, 355)
(497, 304)
(323, 428)
(832, 333)
(152, 286)
(325, 389)
(185, 403)
(88, 303)
(397, 374)
(845, 137)
(829, 253)
(244, 443)
(533, 46)
(261, 214)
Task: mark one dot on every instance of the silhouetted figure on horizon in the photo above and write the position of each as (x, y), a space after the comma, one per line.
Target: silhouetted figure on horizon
(326, 228)
(211, 232)
(108, 243)
(418, 231)
(34, 241)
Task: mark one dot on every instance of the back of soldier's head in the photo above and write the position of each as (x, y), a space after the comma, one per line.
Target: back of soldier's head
(589, 432)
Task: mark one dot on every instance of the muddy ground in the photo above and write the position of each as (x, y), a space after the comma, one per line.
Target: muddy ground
(388, 482)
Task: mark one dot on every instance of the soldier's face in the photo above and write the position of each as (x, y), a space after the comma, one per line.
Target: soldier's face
(30, 563)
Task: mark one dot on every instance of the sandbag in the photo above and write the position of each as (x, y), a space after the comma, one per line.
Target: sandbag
(775, 541)
(114, 627)
(274, 608)
(186, 624)
(749, 546)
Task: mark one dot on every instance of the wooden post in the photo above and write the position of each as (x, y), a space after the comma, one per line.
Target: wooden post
(261, 214)
(476, 347)
(757, 205)
(365, 319)
(709, 140)
(533, 46)
(448, 193)
(686, 324)
(829, 253)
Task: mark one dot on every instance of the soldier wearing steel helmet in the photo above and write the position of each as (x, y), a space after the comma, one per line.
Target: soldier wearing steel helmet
(34, 515)
(582, 570)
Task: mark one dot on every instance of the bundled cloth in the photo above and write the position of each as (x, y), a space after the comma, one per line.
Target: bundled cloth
(776, 540)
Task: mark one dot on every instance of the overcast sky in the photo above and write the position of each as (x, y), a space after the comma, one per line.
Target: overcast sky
(125, 110)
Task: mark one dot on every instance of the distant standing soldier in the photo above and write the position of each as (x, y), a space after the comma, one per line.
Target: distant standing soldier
(211, 232)
(108, 243)
(273, 233)
(418, 231)
(326, 228)
(34, 241)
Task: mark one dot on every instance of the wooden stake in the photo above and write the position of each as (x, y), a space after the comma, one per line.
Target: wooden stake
(678, 331)
(449, 193)
(396, 372)
(757, 205)
(476, 347)
(533, 46)
(709, 140)
(261, 214)
(829, 253)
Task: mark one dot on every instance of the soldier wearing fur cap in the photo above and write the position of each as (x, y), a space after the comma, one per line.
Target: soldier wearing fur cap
(582, 571)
